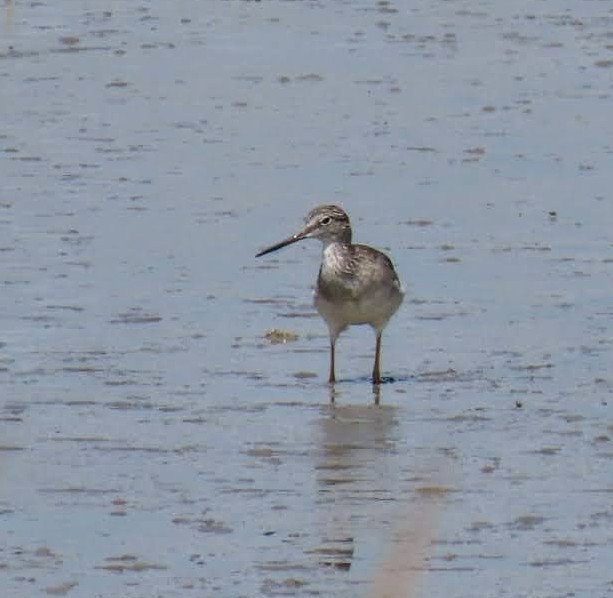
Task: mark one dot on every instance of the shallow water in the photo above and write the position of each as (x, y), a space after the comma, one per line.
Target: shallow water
(154, 442)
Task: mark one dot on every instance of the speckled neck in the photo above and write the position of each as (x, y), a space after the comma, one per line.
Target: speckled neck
(335, 255)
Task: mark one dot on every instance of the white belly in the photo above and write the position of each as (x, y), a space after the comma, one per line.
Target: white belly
(374, 309)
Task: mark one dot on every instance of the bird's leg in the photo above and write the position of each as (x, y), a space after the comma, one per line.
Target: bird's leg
(332, 377)
(376, 371)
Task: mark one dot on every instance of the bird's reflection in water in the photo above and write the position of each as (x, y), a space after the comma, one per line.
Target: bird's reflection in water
(352, 473)
(360, 476)
(334, 393)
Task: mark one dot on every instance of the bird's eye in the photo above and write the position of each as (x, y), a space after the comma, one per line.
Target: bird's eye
(325, 221)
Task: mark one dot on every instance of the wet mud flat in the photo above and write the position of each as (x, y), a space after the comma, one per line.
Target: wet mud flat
(165, 426)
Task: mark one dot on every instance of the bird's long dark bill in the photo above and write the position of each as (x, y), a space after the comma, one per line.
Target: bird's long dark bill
(293, 239)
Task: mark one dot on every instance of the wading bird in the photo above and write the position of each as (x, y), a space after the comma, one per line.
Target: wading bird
(356, 284)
